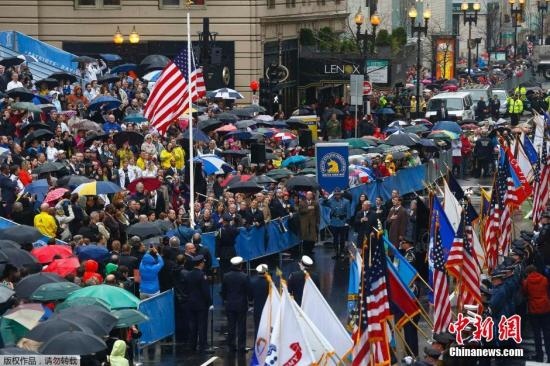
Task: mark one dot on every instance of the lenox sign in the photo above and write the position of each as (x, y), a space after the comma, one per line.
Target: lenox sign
(346, 69)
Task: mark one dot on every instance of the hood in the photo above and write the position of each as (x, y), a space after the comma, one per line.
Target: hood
(91, 266)
(110, 268)
(535, 278)
(148, 259)
(119, 349)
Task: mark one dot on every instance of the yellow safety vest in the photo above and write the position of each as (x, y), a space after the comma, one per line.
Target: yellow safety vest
(516, 106)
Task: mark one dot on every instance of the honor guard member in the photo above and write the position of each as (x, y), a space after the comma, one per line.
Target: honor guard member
(259, 290)
(198, 304)
(411, 333)
(235, 294)
(339, 216)
(226, 243)
(297, 280)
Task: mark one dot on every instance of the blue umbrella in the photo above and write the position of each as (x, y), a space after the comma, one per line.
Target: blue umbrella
(294, 160)
(104, 102)
(95, 252)
(448, 126)
(242, 135)
(134, 118)
(123, 68)
(385, 111)
(211, 164)
(39, 99)
(110, 57)
(198, 135)
(39, 187)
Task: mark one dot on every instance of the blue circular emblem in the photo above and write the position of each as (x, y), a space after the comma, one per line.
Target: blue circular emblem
(333, 165)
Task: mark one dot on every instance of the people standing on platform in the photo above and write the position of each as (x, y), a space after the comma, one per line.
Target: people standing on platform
(199, 302)
(339, 216)
(310, 216)
(259, 291)
(226, 243)
(297, 279)
(365, 222)
(235, 293)
(397, 221)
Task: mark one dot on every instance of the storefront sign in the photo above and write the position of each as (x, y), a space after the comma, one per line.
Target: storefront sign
(343, 69)
(445, 54)
(378, 71)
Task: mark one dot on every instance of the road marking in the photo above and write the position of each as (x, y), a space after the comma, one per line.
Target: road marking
(210, 360)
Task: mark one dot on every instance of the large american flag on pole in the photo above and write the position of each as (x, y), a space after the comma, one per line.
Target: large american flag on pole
(492, 229)
(541, 185)
(169, 97)
(442, 305)
(506, 191)
(371, 345)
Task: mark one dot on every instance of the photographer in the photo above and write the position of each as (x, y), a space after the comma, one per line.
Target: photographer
(149, 268)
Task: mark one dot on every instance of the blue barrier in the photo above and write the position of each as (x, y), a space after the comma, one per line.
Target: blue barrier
(161, 323)
(209, 241)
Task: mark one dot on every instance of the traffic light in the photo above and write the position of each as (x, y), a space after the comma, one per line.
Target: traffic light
(265, 94)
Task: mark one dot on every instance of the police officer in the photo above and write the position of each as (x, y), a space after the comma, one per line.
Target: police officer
(339, 216)
(259, 290)
(410, 332)
(515, 109)
(235, 294)
(297, 279)
(198, 304)
(483, 153)
(225, 242)
(521, 92)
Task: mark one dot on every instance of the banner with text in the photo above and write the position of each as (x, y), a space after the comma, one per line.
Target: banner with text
(332, 165)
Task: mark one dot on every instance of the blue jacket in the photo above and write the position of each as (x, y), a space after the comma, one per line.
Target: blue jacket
(339, 211)
(148, 270)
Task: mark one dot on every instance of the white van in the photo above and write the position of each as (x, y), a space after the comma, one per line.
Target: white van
(458, 105)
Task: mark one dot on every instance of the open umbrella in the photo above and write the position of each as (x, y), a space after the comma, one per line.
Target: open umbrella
(357, 143)
(96, 252)
(24, 95)
(398, 123)
(9, 244)
(302, 183)
(255, 108)
(84, 59)
(46, 108)
(262, 179)
(97, 187)
(72, 181)
(443, 134)
(153, 62)
(5, 294)
(212, 164)
(134, 118)
(89, 321)
(29, 284)
(104, 103)
(101, 315)
(60, 76)
(224, 93)
(26, 106)
(83, 303)
(21, 234)
(240, 112)
(402, 138)
(416, 129)
(279, 173)
(293, 160)
(385, 112)
(39, 135)
(124, 68)
(245, 123)
(73, 343)
(149, 184)
(226, 128)
(133, 138)
(11, 61)
(63, 267)
(208, 125)
(86, 125)
(226, 117)
(51, 83)
(448, 126)
(100, 137)
(47, 253)
(245, 187)
(34, 126)
(144, 230)
(129, 317)
(232, 179)
(296, 124)
(284, 136)
(264, 118)
(54, 291)
(45, 330)
(55, 194)
(116, 297)
(48, 167)
(27, 315)
(108, 78)
(198, 135)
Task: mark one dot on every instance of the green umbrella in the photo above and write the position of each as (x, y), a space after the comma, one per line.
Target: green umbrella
(11, 331)
(116, 297)
(128, 317)
(82, 301)
(54, 291)
(357, 143)
(307, 171)
(279, 173)
(26, 106)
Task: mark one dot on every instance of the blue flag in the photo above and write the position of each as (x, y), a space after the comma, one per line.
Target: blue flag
(530, 150)
(445, 228)
(405, 270)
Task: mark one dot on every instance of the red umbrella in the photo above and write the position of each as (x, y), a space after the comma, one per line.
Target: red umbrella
(47, 253)
(55, 194)
(63, 267)
(226, 128)
(232, 179)
(449, 87)
(149, 184)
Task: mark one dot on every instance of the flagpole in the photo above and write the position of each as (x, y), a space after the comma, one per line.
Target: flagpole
(190, 127)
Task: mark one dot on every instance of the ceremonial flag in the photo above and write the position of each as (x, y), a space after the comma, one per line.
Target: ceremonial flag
(453, 209)
(406, 271)
(529, 149)
(492, 229)
(507, 192)
(521, 187)
(401, 295)
(541, 183)
(371, 342)
(455, 187)
(485, 204)
(354, 283)
(442, 305)
(446, 230)
(169, 97)
(267, 320)
(321, 314)
(520, 147)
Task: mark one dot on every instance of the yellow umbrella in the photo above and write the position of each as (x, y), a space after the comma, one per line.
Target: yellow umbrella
(95, 188)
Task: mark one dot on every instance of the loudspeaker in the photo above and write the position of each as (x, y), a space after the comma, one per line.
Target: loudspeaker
(257, 154)
(305, 139)
(216, 55)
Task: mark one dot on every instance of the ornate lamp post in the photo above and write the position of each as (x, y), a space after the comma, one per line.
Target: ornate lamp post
(542, 7)
(516, 12)
(419, 29)
(365, 37)
(470, 16)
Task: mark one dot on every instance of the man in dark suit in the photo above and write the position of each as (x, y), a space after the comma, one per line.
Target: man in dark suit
(297, 279)
(364, 222)
(235, 293)
(259, 290)
(225, 243)
(128, 260)
(198, 304)
(8, 190)
(277, 205)
(155, 203)
(254, 216)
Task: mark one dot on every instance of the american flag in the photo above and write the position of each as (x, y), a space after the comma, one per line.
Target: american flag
(492, 228)
(371, 336)
(506, 190)
(461, 262)
(542, 181)
(442, 305)
(169, 97)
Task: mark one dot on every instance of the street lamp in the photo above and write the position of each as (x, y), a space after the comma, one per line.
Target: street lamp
(542, 7)
(470, 17)
(516, 13)
(477, 42)
(374, 22)
(118, 38)
(134, 36)
(418, 29)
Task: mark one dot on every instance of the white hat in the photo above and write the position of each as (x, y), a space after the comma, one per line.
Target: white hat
(262, 268)
(236, 260)
(307, 261)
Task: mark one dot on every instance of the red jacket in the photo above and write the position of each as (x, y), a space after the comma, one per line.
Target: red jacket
(535, 287)
(90, 271)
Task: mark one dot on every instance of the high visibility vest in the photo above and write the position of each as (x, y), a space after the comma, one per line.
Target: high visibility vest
(382, 101)
(522, 91)
(516, 106)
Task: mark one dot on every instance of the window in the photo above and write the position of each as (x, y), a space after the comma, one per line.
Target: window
(97, 3)
(178, 3)
(290, 3)
(271, 4)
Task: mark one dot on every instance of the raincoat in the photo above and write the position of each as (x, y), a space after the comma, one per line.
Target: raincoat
(90, 271)
(117, 354)
(148, 270)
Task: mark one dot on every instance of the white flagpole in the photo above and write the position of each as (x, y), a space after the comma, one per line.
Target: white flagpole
(190, 119)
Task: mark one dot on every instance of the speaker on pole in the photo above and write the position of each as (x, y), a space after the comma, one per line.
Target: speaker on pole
(257, 154)
(304, 138)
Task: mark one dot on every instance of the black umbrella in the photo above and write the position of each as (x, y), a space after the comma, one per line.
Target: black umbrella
(48, 167)
(89, 140)
(245, 187)
(72, 181)
(101, 315)
(208, 125)
(39, 135)
(24, 95)
(29, 284)
(279, 173)
(402, 138)
(255, 108)
(427, 143)
(90, 321)
(108, 78)
(296, 124)
(144, 230)
(262, 179)
(133, 138)
(51, 83)
(302, 183)
(237, 153)
(44, 331)
(35, 126)
(198, 135)
(245, 123)
(8, 351)
(227, 117)
(63, 76)
(22, 234)
(73, 343)
(84, 59)
(4, 243)
(11, 61)
(327, 113)
(153, 62)
(241, 112)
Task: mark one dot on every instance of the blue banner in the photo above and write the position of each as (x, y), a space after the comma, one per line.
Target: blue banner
(332, 165)
(161, 323)
(250, 243)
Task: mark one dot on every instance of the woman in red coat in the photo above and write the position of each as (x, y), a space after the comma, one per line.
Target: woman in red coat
(535, 287)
